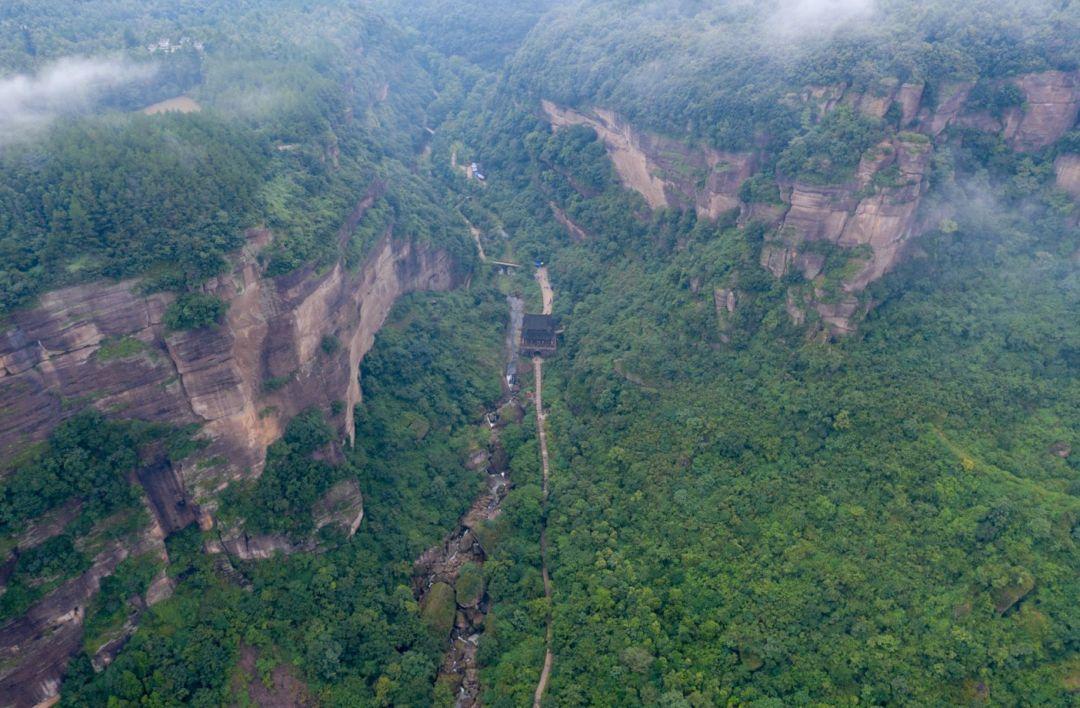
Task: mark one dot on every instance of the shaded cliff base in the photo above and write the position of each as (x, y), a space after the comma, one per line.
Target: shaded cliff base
(98, 609)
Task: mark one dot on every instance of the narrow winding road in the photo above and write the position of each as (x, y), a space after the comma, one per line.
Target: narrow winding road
(477, 235)
(476, 238)
(541, 431)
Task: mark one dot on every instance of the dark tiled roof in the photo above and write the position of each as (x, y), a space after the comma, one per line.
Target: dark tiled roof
(538, 327)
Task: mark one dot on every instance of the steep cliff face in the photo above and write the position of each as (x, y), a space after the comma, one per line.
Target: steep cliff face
(879, 207)
(1052, 100)
(875, 213)
(1051, 103)
(666, 172)
(35, 648)
(286, 344)
(1067, 169)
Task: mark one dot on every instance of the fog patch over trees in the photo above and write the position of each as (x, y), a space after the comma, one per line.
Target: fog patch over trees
(796, 19)
(70, 85)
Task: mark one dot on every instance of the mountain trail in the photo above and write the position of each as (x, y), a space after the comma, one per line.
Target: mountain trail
(538, 399)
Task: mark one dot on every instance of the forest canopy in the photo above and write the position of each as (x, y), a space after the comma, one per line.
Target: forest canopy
(746, 505)
(656, 62)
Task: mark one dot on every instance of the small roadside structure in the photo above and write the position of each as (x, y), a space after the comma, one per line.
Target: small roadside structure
(538, 335)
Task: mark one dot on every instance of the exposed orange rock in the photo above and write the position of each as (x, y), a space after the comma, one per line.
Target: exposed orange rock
(910, 99)
(666, 172)
(630, 161)
(847, 216)
(876, 102)
(885, 220)
(1067, 170)
(952, 98)
(55, 360)
(1052, 101)
(215, 377)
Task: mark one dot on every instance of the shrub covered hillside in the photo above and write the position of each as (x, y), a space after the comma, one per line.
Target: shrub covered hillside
(741, 514)
(292, 121)
(722, 71)
(811, 436)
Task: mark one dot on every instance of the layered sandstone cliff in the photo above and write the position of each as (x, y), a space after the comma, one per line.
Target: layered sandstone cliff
(240, 382)
(666, 172)
(886, 218)
(35, 647)
(1051, 103)
(875, 213)
(286, 344)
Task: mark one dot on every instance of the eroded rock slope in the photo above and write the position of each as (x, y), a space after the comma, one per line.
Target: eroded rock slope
(875, 214)
(286, 344)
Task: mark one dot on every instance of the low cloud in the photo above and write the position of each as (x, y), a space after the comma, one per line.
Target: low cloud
(811, 19)
(30, 102)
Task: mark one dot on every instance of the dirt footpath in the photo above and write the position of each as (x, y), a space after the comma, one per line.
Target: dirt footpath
(545, 289)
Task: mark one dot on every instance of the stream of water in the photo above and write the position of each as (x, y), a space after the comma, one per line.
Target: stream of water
(443, 563)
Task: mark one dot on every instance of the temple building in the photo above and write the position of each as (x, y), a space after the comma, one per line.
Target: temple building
(538, 335)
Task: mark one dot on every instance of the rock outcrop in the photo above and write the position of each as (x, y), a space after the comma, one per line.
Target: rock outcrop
(875, 213)
(35, 647)
(874, 216)
(286, 343)
(1067, 170)
(1050, 108)
(666, 172)
(240, 382)
(1051, 103)
(886, 219)
(342, 505)
(877, 209)
(726, 300)
(952, 97)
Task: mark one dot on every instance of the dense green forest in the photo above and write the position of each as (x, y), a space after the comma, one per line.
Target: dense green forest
(484, 32)
(345, 618)
(290, 134)
(742, 512)
(108, 200)
(744, 515)
(655, 62)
